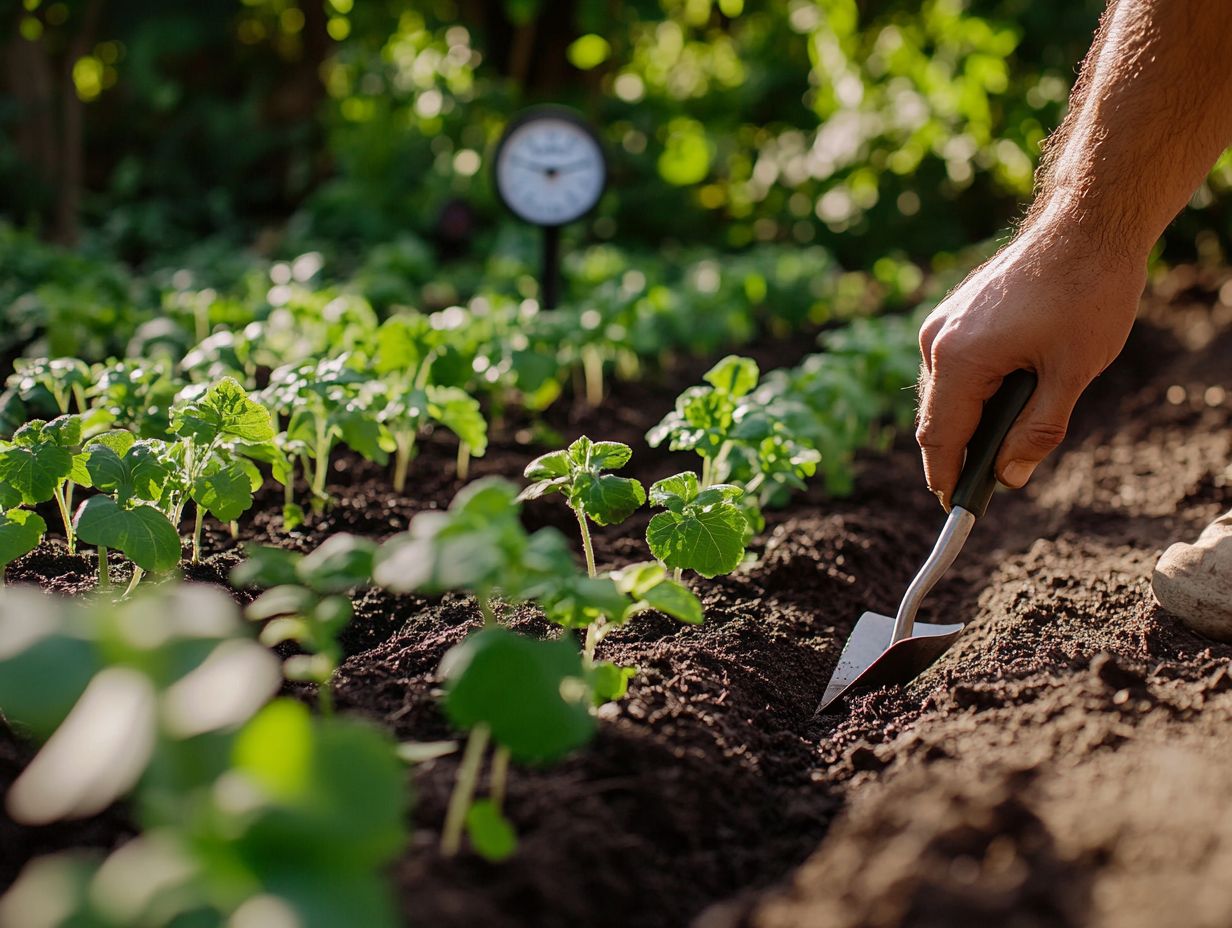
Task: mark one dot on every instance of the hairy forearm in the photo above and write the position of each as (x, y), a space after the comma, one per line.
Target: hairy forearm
(1151, 112)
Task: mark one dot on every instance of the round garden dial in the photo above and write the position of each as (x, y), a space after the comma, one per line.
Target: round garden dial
(549, 168)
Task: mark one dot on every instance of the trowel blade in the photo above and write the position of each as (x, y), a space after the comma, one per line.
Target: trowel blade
(869, 660)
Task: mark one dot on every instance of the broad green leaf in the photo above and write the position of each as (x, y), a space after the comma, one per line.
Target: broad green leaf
(550, 466)
(610, 682)
(20, 533)
(225, 410)
(578, 601)
(64, 431)
(32, 473)
(709, 541)
(459, 412)
(142, 534)
(266, 566)
(341, 563)
(490, 833)
(605, 498)
(531, 693)
(675, 600)
(363, 434)
(544, 488)
(609, 455)
(649, 584)
(118, 440)
(330, 783)
(734, 376)
(226, 494)
(674, 491)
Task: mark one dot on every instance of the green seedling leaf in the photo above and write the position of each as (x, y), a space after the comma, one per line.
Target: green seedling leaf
(491, 834)
(547, 718)
(578, 473)
(610, 682)
(576, 602)
(141, 472)
(29, 474)
(20, 533)
(266, 566)
(650, 587)
(225, 411)
(701, 530)
(459, 412)
(325, 783)
(341, 563)
(142, 534)
(733, 376)
(226, 494)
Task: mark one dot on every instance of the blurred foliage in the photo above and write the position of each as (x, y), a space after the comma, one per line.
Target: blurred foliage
(872, 128)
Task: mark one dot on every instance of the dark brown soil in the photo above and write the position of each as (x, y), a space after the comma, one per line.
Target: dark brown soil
(1064, 764)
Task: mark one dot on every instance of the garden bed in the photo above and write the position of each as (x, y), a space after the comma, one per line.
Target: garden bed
(1063, 764)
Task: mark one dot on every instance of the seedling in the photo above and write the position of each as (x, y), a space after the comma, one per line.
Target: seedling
(705, 417)
(64, 380)
(136, 395)
(578, 474)
(214, 474)
(328, 402)
(125, 515)
(407, 414)
(40, 464)
(702, 529)
(307, 602)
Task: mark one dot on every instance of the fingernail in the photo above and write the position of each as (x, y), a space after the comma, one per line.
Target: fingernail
(1016, 473)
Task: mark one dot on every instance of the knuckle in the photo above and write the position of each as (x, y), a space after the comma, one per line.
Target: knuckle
(1044, 435)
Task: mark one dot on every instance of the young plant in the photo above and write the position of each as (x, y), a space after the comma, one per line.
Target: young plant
(62, 380)
(131, 477)
(328, 402)
(411, 356)
(408, 414)
(40, 464)
(704, 418)
(702, 528)
(306, 601)
(215, 429)
(578, 474)
(135, 395)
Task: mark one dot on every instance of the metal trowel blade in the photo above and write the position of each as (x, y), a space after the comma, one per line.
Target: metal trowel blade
(869, 660)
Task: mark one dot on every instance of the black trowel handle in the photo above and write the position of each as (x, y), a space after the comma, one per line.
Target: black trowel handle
(977, 481)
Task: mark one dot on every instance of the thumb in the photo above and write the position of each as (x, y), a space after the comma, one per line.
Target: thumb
(1037, 432)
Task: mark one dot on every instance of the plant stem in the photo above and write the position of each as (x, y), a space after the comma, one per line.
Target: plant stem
(464, 461)
(500, 775)
(592, 367)
(677, 574)
(405, 442)
(62, 504)
(138, 573)
(322, 463)
(325, 698)
(79, 395)
(235, 530)
(489, 615)
(586, 545)
(592, 642)
(463, 790)
(104, 576)
(198, 523)
(705, 473)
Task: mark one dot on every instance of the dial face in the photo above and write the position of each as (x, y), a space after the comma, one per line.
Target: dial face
(550, 171)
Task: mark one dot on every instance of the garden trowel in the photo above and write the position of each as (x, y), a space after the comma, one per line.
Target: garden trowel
(884, 650)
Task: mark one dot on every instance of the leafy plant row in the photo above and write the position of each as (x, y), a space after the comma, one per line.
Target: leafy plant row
(533, 701)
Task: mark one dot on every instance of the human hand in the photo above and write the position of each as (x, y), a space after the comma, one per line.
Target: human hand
(1052, 302)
